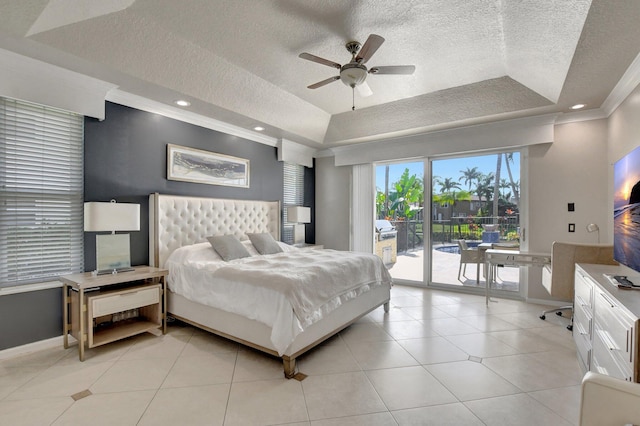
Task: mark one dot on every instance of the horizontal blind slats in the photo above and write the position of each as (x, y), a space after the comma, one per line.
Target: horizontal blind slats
(41, 192)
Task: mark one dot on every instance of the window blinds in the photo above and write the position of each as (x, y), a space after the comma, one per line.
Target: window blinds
(41, 193)
(293, 195)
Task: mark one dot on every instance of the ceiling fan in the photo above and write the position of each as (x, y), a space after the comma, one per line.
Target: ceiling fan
(354, 73)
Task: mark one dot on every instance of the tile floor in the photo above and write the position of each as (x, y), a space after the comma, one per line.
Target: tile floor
(437, 358)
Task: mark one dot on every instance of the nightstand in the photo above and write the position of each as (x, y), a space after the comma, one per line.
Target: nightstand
(100, 309)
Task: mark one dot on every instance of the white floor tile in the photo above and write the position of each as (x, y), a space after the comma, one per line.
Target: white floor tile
(520, 409)
(121, 408)
(528, 374)
(266, 402)
(62, 380)
(327, 360)
(201, 370)
(340, 395)
(437, 358)
(440, 415)
(201, 405)
(385, 354)
(432, 350)
(36, 412)
(409, 387)
(133, 375)
(481, 345)
(377, 419)
(563, 401)
(469, 380)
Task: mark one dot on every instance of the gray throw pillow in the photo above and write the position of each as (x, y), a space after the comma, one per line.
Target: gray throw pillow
(265, 243)
(228, 247)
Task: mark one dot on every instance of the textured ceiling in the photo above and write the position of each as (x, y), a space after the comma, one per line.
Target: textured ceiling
(237, 61)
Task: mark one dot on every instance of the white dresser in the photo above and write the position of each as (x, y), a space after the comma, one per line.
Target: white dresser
(606, 322)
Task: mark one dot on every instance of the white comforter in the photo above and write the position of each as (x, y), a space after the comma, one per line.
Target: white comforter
(287, 291)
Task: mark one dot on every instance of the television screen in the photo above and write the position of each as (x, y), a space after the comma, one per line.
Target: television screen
(626, 210)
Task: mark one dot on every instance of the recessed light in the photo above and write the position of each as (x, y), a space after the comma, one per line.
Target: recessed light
(258, 128)
(183, 103)
(578, 106)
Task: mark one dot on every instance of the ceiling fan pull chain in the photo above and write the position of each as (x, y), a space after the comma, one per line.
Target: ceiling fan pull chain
(353, 98)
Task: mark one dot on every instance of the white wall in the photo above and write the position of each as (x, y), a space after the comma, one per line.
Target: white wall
(333, 201)
(573, 169)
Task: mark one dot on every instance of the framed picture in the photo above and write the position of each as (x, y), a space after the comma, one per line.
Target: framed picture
(198, 166)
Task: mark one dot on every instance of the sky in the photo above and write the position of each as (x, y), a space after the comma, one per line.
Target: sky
(449, 168)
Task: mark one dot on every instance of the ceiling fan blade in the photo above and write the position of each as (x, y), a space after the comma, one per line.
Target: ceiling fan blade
(369, 48)
(314, 58)
(364, 90)
(393, 69)
(324, 82)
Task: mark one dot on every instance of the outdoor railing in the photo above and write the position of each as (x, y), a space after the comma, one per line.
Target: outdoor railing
(411, 232)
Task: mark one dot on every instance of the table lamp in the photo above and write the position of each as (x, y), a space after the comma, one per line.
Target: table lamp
(298, 215)
(113, 251)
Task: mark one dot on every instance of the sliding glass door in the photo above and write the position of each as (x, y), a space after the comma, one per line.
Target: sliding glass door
(475, 206)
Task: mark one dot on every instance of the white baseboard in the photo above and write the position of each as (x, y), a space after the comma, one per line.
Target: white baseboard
(31, 347)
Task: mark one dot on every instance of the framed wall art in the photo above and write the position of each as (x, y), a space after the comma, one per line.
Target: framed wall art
(198, 166)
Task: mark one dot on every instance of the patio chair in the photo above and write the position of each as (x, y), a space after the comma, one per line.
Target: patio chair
(469, 255)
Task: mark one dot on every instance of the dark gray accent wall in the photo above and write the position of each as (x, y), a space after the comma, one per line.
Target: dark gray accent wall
(125, 159)
(30, 317)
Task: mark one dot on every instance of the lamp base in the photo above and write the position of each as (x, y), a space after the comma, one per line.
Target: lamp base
(298, 234)
(113, 271)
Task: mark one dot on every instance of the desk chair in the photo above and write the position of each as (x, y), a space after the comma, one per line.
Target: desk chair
(608, 401)
(469, 255)
(558, 278)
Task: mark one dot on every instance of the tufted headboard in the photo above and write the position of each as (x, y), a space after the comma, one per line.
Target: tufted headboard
(176, 221)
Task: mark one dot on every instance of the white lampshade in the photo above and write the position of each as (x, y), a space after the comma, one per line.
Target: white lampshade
(298, 214)
(99, 217)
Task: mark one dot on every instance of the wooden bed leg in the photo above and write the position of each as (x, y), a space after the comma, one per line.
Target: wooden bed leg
(386, 307)
(289, 367)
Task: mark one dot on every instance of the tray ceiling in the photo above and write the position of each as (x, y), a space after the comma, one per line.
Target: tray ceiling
(237, 61)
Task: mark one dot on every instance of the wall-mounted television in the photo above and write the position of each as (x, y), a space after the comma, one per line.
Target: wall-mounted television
(626, 210)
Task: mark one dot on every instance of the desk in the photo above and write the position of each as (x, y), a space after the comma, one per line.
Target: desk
(511, 258)
(483, 247)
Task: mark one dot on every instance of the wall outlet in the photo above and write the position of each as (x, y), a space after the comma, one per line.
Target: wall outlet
(572, 227)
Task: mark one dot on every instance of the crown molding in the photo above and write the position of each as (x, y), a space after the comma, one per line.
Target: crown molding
(134, 101)
(623, 89)
(591, 114)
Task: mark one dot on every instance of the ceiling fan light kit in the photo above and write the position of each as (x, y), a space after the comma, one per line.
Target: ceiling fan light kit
(355, 72)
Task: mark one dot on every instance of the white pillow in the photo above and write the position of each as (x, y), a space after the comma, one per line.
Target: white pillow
(201, 252)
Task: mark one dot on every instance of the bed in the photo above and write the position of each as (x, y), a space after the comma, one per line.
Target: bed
(180, 226)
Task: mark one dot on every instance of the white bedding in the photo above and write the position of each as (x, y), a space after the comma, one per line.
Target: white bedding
(287, 291)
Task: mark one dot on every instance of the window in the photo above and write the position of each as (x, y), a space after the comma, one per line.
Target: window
(293, 195)
(41, 193)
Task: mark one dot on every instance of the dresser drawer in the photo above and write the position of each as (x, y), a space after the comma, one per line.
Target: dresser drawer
(583, 291)
(614, 325)
(582, 321)
(583, 349)
(106, 304)
(607, 360)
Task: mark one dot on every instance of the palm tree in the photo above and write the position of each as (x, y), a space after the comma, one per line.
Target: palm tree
(496, 188)
(470, 175)
(483, 187)
(514, 185)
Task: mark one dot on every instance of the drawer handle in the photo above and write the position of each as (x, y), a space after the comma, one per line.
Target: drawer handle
(613, 305)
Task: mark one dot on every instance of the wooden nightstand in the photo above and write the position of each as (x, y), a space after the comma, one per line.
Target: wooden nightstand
(99, 309)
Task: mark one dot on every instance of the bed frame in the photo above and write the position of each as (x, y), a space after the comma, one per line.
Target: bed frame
(176, 221)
